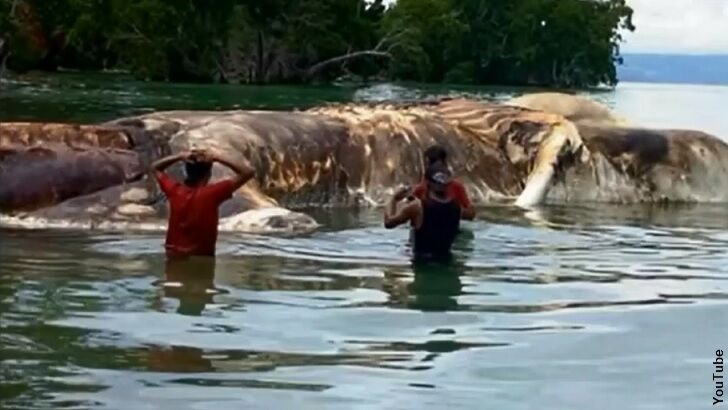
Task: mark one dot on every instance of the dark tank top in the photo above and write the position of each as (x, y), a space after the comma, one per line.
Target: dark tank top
(440, 224)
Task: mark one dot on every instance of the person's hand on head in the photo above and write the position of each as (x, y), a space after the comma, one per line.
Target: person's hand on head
(186, 155)
(200, 155)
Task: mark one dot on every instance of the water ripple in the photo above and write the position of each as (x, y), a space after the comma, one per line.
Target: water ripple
(86, 319)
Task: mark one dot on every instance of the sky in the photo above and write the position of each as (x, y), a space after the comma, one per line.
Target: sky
(679, 26)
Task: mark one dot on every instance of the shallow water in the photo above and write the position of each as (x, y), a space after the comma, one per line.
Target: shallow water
(585, 306)
(567, 307)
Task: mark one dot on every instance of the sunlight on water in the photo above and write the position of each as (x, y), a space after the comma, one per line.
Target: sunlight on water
(599, 307)
(611, 299)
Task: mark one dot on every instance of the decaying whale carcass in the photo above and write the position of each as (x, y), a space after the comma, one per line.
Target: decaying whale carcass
(45, 164)
(339, 156)
(352, 155)
(630, 164)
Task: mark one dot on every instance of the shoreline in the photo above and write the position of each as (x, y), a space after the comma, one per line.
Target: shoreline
(344, 83)
(12, 77)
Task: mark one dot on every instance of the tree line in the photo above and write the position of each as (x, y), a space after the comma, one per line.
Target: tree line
(571, 43)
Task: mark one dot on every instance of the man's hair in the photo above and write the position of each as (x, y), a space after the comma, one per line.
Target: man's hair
(435, 153)
(196, 172)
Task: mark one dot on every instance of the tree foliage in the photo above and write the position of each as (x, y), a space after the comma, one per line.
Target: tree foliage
(546, 42)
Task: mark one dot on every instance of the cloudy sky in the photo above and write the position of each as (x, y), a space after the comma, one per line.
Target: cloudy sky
(679, 26)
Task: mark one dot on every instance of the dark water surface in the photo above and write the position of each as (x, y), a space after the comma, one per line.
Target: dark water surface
(570, 307)
(90, 98)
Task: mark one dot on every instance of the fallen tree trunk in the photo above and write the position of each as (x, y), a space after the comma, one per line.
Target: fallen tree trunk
(311, 71)
(383, 49)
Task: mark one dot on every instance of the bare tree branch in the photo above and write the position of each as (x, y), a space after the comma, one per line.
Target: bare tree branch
(3, 57)
(12, 8)
(357, 54)
(222, 71)
(383, 49)
(139, 33)
(392, 38)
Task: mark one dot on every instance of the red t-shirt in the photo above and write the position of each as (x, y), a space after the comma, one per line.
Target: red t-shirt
(455, 190)
(193, 215)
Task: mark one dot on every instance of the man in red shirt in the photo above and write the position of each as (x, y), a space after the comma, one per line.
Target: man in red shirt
(193, 217)
(455, 190)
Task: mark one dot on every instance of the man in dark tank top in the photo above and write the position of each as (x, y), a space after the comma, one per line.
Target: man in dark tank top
(437, 154)
(434, 218)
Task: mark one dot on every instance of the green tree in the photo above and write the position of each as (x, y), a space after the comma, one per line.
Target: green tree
(545, 42)
(573, 43)
(428, 49)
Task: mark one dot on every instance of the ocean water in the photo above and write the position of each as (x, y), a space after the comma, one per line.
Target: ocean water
(567, 307)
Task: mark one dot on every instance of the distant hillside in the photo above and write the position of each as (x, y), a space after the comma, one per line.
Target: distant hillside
(667, 68)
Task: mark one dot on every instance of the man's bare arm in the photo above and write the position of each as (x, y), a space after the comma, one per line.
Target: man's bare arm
(468, 213)
(394, 217)
(243, 172)
(164, 163)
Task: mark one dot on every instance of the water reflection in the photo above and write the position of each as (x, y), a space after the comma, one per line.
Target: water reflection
(191, 281)
(186, 359)
(436, 286)
(88, 318)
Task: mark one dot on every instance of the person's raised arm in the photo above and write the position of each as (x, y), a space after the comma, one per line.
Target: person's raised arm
(166, 183)
(394, 217)
(164, 163)
(243, 172)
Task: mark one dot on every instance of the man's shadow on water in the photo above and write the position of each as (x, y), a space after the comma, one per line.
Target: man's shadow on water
(435, 287)
(190, 280)
(437, 284)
